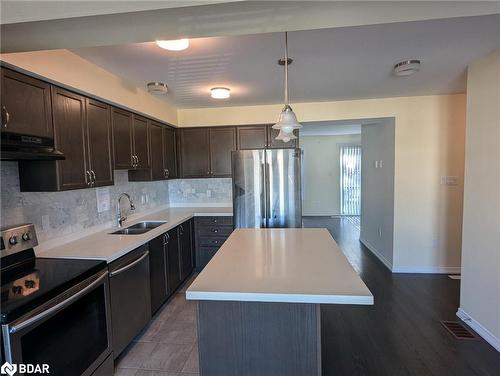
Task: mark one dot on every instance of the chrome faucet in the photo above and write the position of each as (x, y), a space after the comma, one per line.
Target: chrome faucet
(119, 215)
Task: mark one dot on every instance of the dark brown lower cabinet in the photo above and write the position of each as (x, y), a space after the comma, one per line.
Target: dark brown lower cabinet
(173, 261)
(210, 234)
(186, 248)
(158, 271)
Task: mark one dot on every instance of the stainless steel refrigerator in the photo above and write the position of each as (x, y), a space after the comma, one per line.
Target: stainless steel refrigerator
(266, 188)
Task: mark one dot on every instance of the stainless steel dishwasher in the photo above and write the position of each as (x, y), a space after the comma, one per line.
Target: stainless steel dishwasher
(130, 297)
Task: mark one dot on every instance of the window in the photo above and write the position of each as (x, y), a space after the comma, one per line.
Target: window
(350, 180)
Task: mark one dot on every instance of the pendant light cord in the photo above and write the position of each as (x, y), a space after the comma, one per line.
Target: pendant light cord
(286, 68)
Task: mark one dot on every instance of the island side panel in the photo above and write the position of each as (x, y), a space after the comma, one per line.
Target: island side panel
(256, 338)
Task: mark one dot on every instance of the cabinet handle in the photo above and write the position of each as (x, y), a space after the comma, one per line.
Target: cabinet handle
(181, 229)
(5, 117)
(165, 239)
(137, 161)
(215, 230)
(167, 172)
(133, 161)
(89, 182)
(93, 176)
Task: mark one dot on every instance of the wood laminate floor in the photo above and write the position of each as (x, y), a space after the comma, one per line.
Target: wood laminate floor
(401, 334)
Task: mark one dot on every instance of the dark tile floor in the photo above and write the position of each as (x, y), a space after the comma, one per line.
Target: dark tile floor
(400, 335)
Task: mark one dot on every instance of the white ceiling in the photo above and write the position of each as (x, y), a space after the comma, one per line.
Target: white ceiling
(329, 64)
(13, 11)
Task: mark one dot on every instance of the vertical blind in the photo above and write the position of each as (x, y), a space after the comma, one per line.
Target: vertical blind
(350, 180)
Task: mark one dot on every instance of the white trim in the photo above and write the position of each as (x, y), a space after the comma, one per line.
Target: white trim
(427, 269)
(377, 253)
(479, 329)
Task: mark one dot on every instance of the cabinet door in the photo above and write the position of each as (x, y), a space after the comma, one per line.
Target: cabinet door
(195, 153)
(278, 144)
(25, 105)
(158, 271)
(222, 143)
(170, 150)
(173, 261)
(99, 142)
(122, 138)
(156, 151)
(69, 130)
(141, 144)
(186, 241)
(252, 137)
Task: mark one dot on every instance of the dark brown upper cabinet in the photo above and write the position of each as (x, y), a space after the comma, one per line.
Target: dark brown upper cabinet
(130, 140)
(25, 105)
(158, 156)
(170, 152)
(82, 131)
(222, 143)
(252, 137)
(141, 141)
(122, 139)
(195, 152)
(99, 140)
(272, 143)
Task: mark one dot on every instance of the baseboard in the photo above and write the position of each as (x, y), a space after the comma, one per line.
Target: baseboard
(377, 254)
(479, 329)
(427, 269)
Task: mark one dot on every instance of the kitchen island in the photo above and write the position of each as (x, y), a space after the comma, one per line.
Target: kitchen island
(259, 301)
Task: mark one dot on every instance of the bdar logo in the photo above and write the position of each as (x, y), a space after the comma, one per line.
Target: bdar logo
(8, 369)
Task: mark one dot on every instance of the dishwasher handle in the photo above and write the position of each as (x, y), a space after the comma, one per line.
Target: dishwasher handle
(128, 266)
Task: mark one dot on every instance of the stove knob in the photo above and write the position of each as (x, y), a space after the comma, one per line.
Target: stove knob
(26, 236)
(13, 240)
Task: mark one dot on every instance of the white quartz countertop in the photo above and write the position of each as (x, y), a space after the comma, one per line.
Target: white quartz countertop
(280, 265)
(109, 247)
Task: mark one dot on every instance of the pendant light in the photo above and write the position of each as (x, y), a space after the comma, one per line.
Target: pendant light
(287, 121)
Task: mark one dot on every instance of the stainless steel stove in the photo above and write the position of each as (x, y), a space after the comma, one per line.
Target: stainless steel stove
(54, 312)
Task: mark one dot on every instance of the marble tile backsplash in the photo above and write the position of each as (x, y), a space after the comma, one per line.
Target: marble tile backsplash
(57, 214)
(192, 192)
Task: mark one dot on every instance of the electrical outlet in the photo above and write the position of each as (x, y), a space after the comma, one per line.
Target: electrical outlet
(45, 222)
(209, 193)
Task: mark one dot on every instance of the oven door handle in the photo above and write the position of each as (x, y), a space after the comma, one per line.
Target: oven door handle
(58, 306)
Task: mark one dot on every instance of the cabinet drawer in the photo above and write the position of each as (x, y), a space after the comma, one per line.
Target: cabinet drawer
(210, 221)
(222, 231)
(211, 242)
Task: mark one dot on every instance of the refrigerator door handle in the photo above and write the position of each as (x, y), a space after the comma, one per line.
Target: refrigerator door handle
(267, 213)
(263, 201)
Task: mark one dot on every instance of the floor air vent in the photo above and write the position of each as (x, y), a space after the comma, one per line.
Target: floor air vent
(458, 330)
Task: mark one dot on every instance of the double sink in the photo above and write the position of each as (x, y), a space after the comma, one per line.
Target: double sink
(139, 228)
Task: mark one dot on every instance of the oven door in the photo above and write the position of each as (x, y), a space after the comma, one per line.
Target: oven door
(71, 333)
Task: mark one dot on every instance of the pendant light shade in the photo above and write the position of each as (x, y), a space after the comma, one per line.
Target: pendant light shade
(285, 137)
(287, 121)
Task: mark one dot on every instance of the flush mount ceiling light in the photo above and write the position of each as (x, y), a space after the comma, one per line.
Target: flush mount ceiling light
(220, 92)
(406, 67)
(287, 121)
(173, 45)
(157, 87)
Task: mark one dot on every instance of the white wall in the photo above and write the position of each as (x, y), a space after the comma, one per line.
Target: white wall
(321, 172)
(377, 189)
(480, 285)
